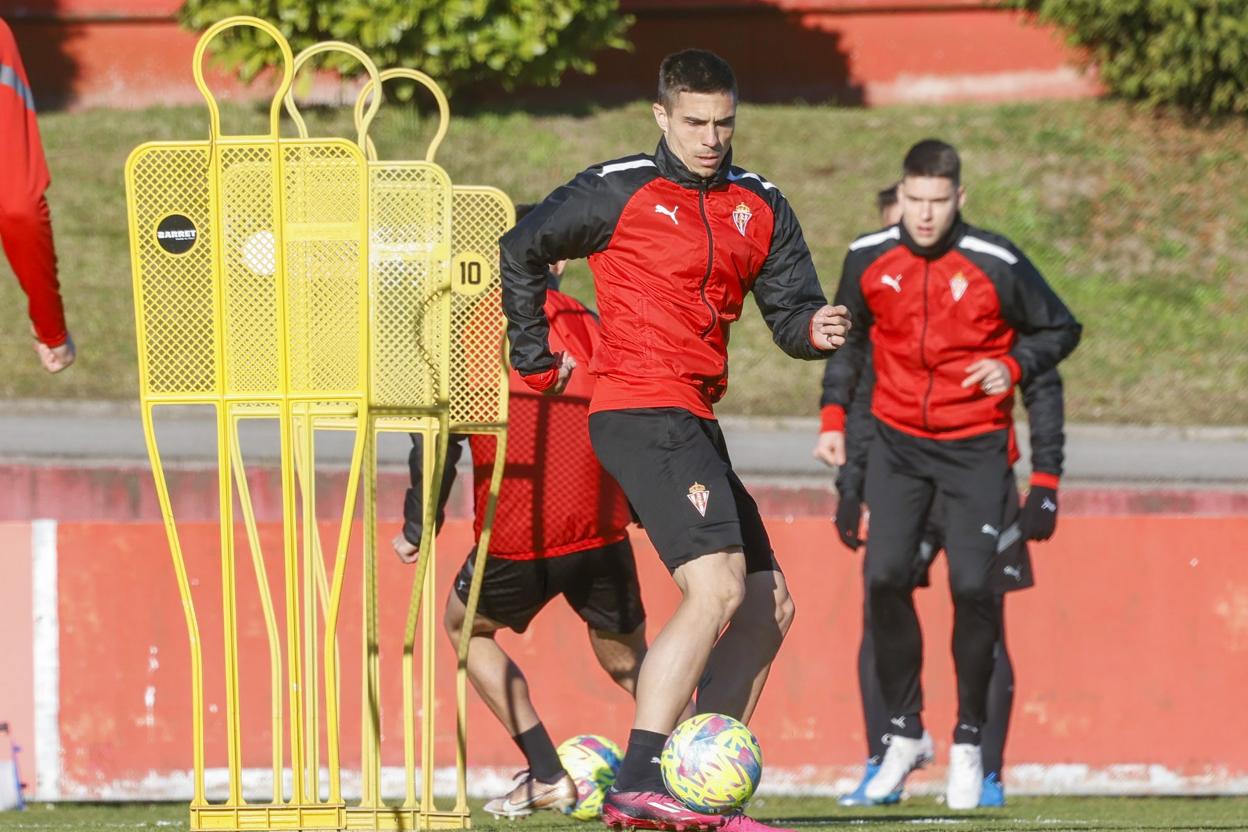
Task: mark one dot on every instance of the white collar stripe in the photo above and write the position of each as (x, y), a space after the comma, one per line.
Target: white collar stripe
(616, 167)
(878, 237)
(985, 247)
(733, 177)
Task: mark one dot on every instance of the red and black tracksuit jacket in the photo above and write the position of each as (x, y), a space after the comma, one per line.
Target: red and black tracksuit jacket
(1043, 397)
(926, 314)
(555, 497)
(25, 222)
(673, 257)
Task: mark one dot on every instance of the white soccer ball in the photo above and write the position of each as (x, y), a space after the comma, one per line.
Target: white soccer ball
(260, 253)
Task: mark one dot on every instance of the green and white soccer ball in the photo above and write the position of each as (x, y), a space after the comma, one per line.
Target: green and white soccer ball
(712, 763)
(592, 761)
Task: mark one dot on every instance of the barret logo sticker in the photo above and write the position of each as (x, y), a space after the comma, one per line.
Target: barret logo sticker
(699, 495)
(741, 216)
(176, 234)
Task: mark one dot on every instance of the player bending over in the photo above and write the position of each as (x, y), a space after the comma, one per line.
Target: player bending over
(559, 529)
(676, 240)
(956, 317)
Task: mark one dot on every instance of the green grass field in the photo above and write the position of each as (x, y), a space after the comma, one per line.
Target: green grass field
(1137, 219)
(1050, 814)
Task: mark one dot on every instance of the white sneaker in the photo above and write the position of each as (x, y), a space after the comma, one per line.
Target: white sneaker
(530, 794)
(904, 755)
(966, 776)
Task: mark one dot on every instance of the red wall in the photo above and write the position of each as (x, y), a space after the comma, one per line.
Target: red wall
(131, 53)
(1136, 621)
(17, 692)
(1130, 652)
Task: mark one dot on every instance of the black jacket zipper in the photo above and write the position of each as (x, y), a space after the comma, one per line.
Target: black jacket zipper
(710, 261)
(931, 376)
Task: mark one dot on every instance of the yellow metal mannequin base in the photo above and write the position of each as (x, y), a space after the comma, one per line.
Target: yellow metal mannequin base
(302, 285)
(324, 817)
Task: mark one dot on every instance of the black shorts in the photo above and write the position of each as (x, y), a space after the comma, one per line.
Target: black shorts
(905, 473)
(599, 584)
(675, 470)
(1012, 567)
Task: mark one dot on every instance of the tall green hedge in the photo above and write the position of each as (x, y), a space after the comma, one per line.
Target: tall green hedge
(505, 43)
(1190, 53)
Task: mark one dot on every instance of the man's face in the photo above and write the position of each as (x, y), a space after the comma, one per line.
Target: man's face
(698, 127)
(929, 205)
(891, 214)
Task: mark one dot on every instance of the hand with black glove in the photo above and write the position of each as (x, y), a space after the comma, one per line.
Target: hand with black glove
(848, 516)
(1039, 519)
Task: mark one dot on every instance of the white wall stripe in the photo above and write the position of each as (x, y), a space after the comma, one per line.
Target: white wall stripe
(47, 664)
(1114, 779)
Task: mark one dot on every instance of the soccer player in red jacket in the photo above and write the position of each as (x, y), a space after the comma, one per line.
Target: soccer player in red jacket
(676, 240)
(25, 222)
(1036, 520)
(954, 318)
(560, 529)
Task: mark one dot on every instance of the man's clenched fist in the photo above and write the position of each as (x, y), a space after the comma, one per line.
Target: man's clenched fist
(828, 327)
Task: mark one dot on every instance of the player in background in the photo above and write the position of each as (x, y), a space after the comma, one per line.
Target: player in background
(955, 317)
(676, 240)
(888, 206)
(25, 221)
(559, 529)
(1043, 400)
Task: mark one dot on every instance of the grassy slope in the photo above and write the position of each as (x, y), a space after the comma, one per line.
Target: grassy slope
(1138, 221)
(1023, 814)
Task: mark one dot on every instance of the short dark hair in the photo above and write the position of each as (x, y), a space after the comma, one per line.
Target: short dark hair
(932, 157)
(694, 70)
(886, 198)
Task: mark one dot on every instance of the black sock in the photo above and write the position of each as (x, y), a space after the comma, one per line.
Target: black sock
(968, 733)
(540, 753)
(640, 770)
(909, 726)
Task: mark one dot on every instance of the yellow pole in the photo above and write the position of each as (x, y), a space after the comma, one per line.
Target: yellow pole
(470, 613)
(370, 755)
(198, 798)
(266, 605)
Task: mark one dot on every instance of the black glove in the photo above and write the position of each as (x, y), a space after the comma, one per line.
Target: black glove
(1039, 513)
(848, 516)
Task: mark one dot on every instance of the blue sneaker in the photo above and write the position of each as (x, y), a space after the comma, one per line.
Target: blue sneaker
(858, 797)
(993, 795)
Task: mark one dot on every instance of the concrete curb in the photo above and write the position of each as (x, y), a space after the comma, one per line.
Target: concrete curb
(93, 433)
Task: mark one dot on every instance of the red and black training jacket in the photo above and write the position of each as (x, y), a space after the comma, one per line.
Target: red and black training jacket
(1043, 398)
(25, 221)
(929, 313)
(673, 257)
(555, 498)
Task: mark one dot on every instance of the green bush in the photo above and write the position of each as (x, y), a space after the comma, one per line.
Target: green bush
(460, 43)
(1190, 53)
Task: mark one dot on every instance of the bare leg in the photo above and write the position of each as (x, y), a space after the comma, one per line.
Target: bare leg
(494, 675)
(713, 587)
(620, 655)
(738, 666)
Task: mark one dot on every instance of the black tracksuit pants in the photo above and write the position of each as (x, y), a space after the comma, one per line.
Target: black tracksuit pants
(904, 473)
